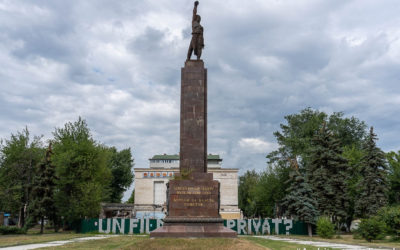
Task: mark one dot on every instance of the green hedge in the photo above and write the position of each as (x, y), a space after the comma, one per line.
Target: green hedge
(11, 230)
(372, 229)
(391, 217)
(325, 228)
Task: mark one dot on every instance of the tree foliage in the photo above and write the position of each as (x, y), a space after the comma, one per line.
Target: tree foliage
(83, 172)
(328, 175)
(19, 156)
(121, 164)
(43, 190)
(299, 199)
(373, 185)
(131, 199)
(247, 195)
(394, 177)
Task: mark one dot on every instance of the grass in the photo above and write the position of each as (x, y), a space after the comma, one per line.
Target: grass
(280, 245)
(33, 237)
(144, 242)
(348, 239)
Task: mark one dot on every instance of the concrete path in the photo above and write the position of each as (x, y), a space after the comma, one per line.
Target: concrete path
(56, 243)
(320, 244)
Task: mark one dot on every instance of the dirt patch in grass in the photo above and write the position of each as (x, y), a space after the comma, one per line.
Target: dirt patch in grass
(208, 243)
(280, 245)
(144, 242)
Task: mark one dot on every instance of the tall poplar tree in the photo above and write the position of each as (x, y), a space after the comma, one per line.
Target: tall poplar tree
(373, 184)
(328, 175)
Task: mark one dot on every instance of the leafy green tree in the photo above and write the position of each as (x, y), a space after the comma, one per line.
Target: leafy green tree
(299, 200)
(373, 185)
(354, 155)
(131, 199)
(247, 196)
(270, 190)
(296, 135)
(43, 188)
(328, 174)
(121, 164)
(18, 157)
(296, 138)
(83, 172)
(394, 177)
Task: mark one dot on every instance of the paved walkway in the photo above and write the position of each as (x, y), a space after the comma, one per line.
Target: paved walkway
(56, 243)
(321, 244)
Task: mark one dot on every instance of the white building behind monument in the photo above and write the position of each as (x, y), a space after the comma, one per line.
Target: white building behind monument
(150, 186)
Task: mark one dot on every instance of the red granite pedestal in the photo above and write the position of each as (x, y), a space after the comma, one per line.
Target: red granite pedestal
(193, 197)
(193, 209)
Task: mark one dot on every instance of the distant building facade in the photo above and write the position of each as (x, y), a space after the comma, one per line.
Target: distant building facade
(150, 186)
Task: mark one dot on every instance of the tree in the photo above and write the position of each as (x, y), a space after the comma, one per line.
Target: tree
(394, 177)
(19, 155)
(270, 190)
(43, 204)
(354, 155)
(328, 174)
(83, 172)
(373, 185)
(247, 197)
(131, 199)
(121, 164)
(297, 134)
(299, 201)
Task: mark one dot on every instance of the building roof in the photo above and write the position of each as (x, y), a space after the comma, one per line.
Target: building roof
(176, 157)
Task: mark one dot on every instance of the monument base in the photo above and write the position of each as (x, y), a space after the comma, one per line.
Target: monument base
(185, 229)
(193, 209)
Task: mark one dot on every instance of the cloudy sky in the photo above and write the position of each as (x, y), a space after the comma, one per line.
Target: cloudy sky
(117, 64)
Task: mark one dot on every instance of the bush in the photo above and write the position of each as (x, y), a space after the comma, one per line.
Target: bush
(11, 230)
(391, 217)
(325, 228)
(372, 229)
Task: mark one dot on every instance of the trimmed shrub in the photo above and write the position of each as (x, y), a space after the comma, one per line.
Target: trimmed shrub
(391, 217)
(325, 228)
(372, 229)
(11, 230)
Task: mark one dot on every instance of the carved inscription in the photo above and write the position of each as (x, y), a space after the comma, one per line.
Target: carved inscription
(196, 198)
(193, 198)
(194, 190)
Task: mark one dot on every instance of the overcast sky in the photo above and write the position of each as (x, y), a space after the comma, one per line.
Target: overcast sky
(117, 64)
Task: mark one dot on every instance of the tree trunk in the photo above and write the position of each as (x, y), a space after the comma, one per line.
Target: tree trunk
(309, 229)
(21, 219)
(41, 224)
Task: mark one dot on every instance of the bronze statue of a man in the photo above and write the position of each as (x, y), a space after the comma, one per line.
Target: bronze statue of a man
(197, 42)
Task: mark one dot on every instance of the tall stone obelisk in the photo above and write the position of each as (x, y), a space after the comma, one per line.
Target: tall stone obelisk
(193, 196)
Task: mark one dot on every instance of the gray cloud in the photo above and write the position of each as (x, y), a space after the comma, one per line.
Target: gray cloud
(117, 64)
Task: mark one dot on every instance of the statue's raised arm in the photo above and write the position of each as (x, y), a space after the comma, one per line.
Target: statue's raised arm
(195, 10)
(197, 42)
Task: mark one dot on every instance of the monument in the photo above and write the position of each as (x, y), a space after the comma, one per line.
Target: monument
(193, 196)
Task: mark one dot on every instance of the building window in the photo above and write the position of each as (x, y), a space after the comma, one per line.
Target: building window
(159, 193)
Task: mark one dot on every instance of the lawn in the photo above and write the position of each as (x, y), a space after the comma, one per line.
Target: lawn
(348, 239)
(144, 242)
(23, 239)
